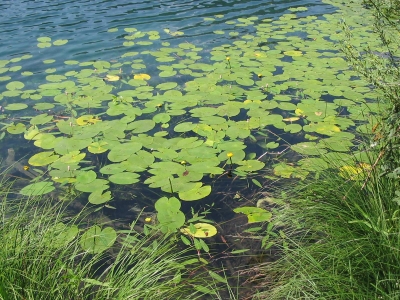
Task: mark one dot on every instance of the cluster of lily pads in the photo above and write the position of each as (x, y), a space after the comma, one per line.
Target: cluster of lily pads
(175, 116)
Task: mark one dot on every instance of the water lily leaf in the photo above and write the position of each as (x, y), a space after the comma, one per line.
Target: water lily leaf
(202, 230)
(95, 240)
(38, 188)
(41, 119)
(184, 127)
(43, 106)
(61, 235)
(169, 214)
(95, 185)
(44, 45)
(254, 214)
(98, 147)
(43, 39)
(167, 86)
(14, 85)
(43, 158)
(123, 151)
(141, 126)
(124, 178)
(110, 77)
(87, 119)
(98, 197)
(60, 42)
(250, 165)
(293, 53)
(161, 118)
(85, 177)
(308, 148)
(284, 170)
(197, 193)
(142, 77)
(16, 129)
(16, 106)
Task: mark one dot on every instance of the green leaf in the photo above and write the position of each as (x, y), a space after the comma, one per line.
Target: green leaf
(197, 193)
(38, 188)
(254, 214)
(16, 129)
(43, 158)
(217, 277)
(16, 106)
(95, 240)
(97, 197)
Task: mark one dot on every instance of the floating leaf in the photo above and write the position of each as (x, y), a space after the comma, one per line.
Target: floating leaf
(142, 77)
(124, 178)
(98, 197)
(43, 158)
(197, 193)
(111, 77)
(60, 42)
(254, 214)
(95, 240)
(202, 230)
(38, 188)
(16, 106)
(16, 129)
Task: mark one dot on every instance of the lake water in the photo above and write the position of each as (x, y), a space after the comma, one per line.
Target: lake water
(191, 98)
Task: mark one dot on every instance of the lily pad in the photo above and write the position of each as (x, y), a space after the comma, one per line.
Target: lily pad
(96, 240)
(16, 106)
(197, 193)
(202, 230)
(254, 214)
(43, 158)
(124, 178)
(98, 197)
(38, 188)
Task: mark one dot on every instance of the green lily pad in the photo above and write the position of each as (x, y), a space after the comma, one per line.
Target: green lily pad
(41, 119)
(123, 151)
(95, 240)
(43, 158)
(16, 129)
(308, 148)
(60, 42)
(95, 185)
(16, 106)
(38, 188)
(254, 214)
(124, 178)
(250, 165)
(98, 197)
(197, 193)
(201, 230)
(15, 85)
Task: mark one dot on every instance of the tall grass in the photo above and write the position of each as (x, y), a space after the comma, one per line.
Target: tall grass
(347, 245)
(34, 264)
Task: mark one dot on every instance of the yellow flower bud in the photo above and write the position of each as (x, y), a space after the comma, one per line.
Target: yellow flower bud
(228, 58)
(148, 219)
(229, 154)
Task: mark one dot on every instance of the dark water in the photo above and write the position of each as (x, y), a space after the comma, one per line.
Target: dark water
(85, 23)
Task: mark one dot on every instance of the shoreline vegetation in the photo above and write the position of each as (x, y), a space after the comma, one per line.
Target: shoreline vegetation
(333, 236)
